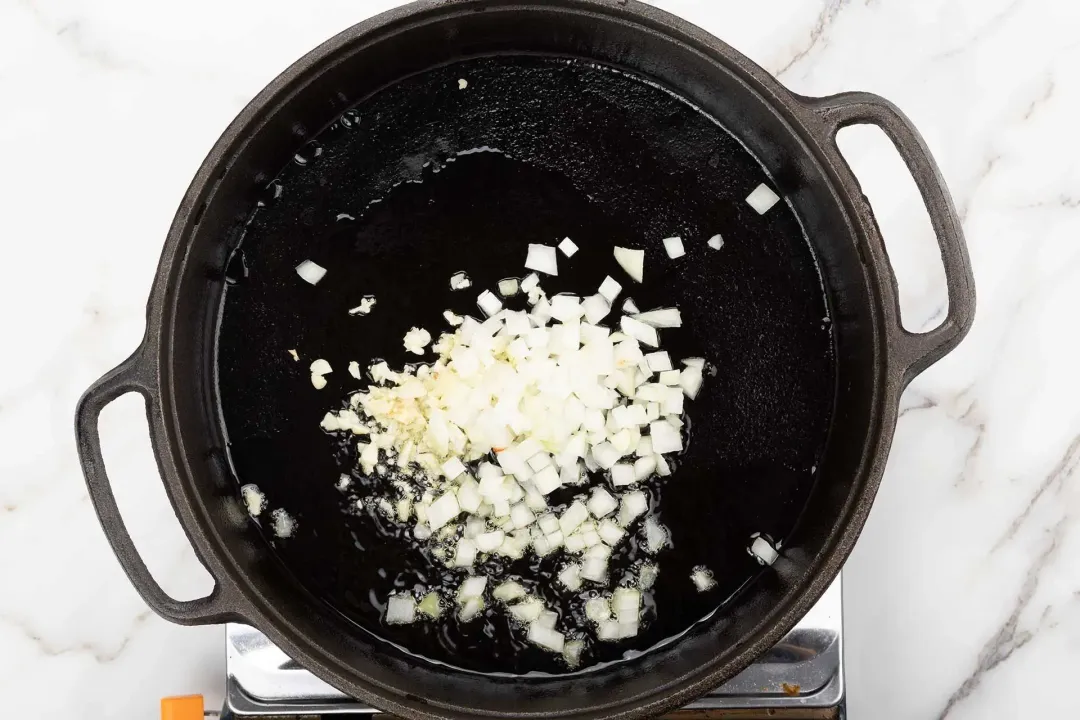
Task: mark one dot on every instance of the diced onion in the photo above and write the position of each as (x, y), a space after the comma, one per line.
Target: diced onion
(527, 611)
(254, 499)
(610, 289)
(568, 247)
(763, 551)
(663, 318)
(508, 592)
(715, 242)
(364, 307)
(656, 535)
(674, 247)
(400, 609)
(546, 637)
(702, 578)
(310, 272)
(542, 259)
(508, 287)
(639, 331)
(631, 261)
(489, 303)
(321, 367)
(570, 577)
(633, 505)
(762, 199)
(460, 281)
(471, 587)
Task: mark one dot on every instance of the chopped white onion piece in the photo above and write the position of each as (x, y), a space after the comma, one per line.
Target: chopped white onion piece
(715, 242)
(669, 377)
(566, 308)
(568, 247)
(595, 308)
(572, 652)
(321, 367)
(527, 611)
(548, 619)
(674, 247)
(442, 511)
(663, 318)
(400, 609)
(522, 516)
(595, 569)
(633, 505)
(658, 361)
(310, 272)
(610, 289)
(254, 500)
(471, 608)
(354, 370)
(490, 542)
(639, 331)
(364, 307)
(644, 467)
(763, 552)
(546, 637)
(629, 306)
(762, 199)
(610, 532)
(508, 592)
(647, 576)
(460, 281)
(572, 517)
(508, 287)
(632, 262)
(295, 355)
(656, 535)
(665, 437)
(430, 605)
(547, 481)
(703, 578)
(465, 554)
(602, 503)
(570, 577)
(598, 609)
(318, 381)
(488, 303)
(690, 379)
(471, 587)
(530, 283)
(416, 340)
(542, 259)
(663, 470)
(626, 603)
(622, 474)
(452, 468)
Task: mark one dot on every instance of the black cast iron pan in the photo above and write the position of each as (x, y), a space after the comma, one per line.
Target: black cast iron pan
(598, 120)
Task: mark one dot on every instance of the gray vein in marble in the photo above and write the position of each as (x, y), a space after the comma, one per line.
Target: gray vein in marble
(817, 34)
(72, 36)
(1064, 469)
(100, 656)
(1009, 638)
(980, 34)
(972, 455)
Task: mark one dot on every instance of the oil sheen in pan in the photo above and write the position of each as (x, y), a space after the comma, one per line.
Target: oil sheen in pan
(424, 179)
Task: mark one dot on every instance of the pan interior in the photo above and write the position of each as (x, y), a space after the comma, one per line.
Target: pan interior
(426, 178)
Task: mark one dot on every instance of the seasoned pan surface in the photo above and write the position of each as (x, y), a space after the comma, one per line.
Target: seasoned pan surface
(424, 179)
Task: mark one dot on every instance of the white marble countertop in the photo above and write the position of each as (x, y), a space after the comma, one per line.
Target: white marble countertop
(963, 596)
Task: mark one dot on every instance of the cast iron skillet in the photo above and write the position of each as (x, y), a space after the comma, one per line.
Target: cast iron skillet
(805, 404)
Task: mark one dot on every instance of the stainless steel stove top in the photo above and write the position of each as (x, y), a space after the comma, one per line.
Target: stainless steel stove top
(804, 673)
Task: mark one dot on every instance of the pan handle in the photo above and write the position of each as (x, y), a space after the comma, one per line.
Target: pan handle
(913, 352)
(134, 375)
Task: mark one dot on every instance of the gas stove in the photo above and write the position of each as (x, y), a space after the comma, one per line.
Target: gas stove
(802, 677)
